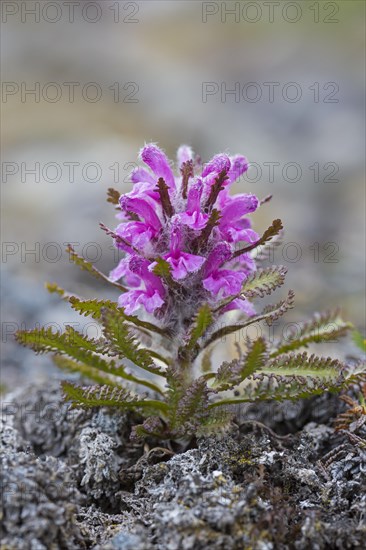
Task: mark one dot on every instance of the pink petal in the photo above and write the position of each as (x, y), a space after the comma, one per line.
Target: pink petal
(234, 234)
(184, 154)
(122, 270)
(134, 299)
(225, 282)
(184, 264)
(244, 305)
(142, 190)
(143, 209)
(139, 174)
(129, 301)
(196, 220)
(217, 164)
(151, 302)
(219, 255)
(143, 268)
(239, 165)
(137, 233)
(157, 160)
(238, 207)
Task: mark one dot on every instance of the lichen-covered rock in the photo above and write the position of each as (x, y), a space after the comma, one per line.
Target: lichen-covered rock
(45, 420)
(250, 492)
(75, 480)
(39, 499)
(101, 463)
(94, 443)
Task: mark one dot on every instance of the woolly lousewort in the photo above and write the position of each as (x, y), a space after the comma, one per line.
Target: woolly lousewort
(187, 246)
(191, 222)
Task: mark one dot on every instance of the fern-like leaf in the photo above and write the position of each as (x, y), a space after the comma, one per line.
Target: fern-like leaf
(104, 372)
(107, 396)
(217, 421)
(325, 327)
(203, 320)
(174, 394)
(264, 281)
(113, 196)
(124, 345)
(261, 387)
(54, 288)
(355, 374)
(87, 266)
(83, 352)
(273, 230)
(231, 374)
(302, 364)
(269, 314)
(70, 343)
(86, 352)
(75, 367)
(273, 312)
(265, 252)
(193, 406)
(293, 377)
(94, 308)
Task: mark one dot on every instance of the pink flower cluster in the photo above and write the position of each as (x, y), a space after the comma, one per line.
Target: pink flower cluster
(194, 224)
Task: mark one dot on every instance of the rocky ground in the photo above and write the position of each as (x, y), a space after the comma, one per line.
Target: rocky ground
(73, 479)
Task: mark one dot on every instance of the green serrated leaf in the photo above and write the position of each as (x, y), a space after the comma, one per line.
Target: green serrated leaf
(254, 358)
(109, 368)
(202, 322)
(301, 364)
(293, 377)
(94, 308)
(86, 352)
(264, 281)
(355, 374)
(87, 371)
(70, 343)
(113, 196)
(324, 327)
(163, 270)
(192, 407)
(217, 421)
(273, 230)
(124, 345)
(174, 394)
(269, 314)
(230, 374)
(87, 266)
(54, 288)
(107, 396)
(263, 388)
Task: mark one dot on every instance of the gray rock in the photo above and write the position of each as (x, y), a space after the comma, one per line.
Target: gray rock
(75, 480)
(39, 500)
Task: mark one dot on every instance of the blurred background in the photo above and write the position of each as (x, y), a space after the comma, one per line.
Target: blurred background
(86, 84)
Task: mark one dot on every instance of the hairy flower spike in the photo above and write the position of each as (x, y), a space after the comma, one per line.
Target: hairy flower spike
(182, 220)
(187, 246)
